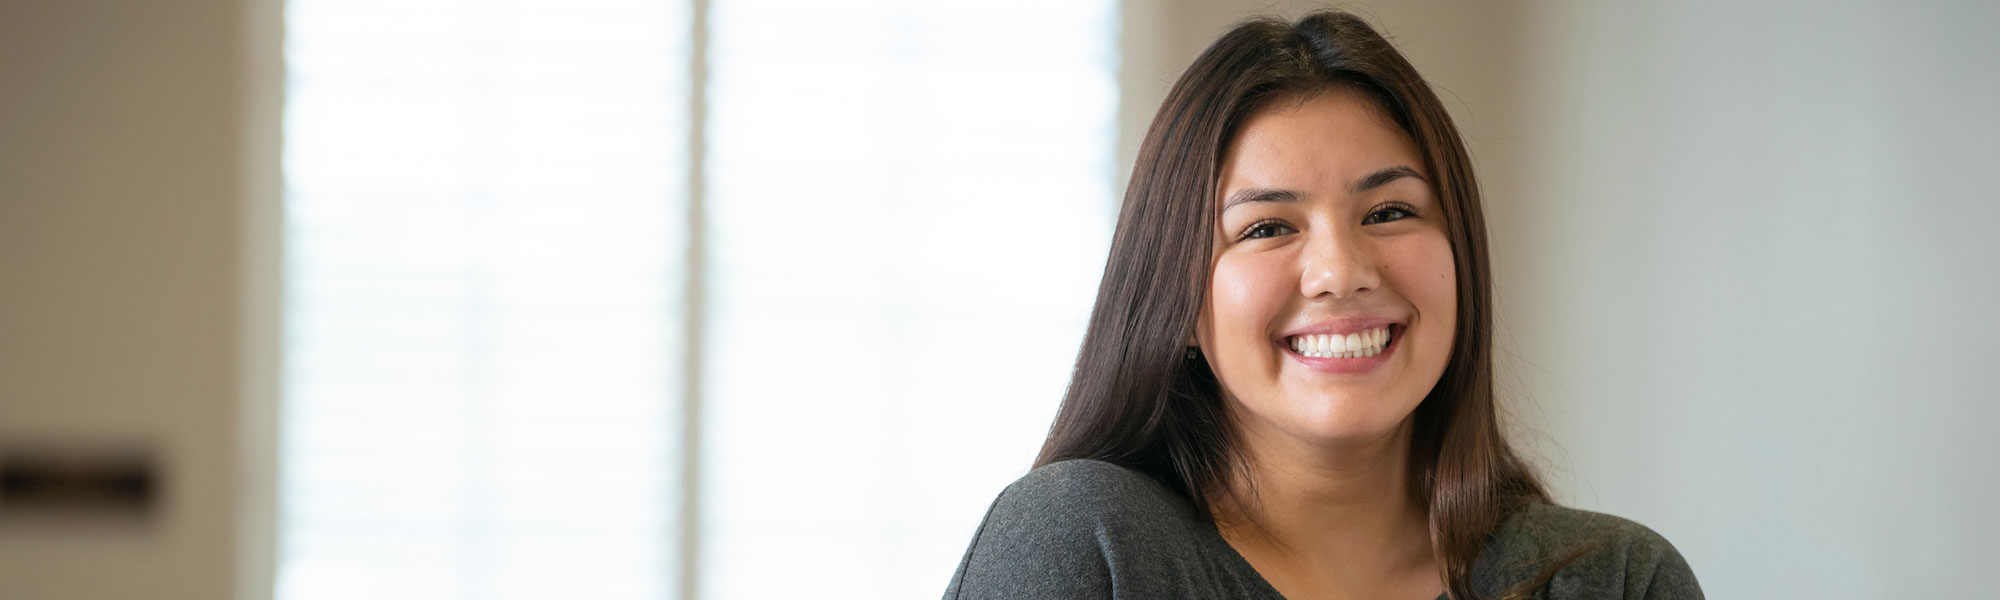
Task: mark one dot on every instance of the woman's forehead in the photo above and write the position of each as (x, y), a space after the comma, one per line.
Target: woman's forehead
(1325, 142)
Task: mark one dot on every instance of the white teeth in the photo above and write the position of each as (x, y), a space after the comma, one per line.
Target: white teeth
(1353, 345)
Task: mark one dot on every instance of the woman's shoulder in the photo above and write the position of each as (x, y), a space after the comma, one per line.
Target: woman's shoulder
(1603, 555)
(1562, 527)
(1070, 529)
(1092, 493)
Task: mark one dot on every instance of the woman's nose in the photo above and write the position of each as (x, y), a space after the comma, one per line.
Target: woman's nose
(1336, 263)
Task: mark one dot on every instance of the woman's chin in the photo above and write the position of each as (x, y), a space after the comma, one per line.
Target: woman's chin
(1337, 426)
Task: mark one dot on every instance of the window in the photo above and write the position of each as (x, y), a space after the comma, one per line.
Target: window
(907, 207)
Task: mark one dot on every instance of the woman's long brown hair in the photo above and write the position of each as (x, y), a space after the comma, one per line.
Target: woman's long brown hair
(1137, 399)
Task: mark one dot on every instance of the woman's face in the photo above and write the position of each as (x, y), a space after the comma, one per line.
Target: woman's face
(1328, 227)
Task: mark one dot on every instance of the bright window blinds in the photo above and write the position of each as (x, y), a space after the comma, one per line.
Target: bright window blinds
(907, 207)
(482, 276)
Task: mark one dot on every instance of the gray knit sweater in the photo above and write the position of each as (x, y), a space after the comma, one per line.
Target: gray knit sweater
(1091, 529)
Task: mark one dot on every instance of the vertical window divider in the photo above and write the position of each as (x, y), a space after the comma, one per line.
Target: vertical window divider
(694, 294)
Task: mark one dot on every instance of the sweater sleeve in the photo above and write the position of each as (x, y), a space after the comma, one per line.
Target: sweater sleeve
(1631, 561)
(1042, 538)
(1595, 555)
(1670, 577)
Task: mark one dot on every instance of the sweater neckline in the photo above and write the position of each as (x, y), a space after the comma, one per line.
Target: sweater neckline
(1242, 567)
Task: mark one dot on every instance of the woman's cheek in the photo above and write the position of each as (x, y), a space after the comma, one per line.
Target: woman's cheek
(1247, 294)
(1431, 278)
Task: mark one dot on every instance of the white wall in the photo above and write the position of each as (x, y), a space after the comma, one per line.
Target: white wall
(1757, 292)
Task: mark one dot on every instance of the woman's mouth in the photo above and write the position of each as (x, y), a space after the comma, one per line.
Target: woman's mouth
(1354, 345)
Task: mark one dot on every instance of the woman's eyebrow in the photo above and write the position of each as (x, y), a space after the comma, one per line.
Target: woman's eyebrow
(1258, 195)
(1382, 178)
(1372, 181)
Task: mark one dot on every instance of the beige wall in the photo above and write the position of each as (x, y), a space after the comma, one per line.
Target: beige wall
(122, 262)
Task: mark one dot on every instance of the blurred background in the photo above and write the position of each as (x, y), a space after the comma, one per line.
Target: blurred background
(769, 298)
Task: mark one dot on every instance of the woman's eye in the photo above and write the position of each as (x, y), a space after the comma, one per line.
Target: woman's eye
(1264, 230)
(1387, 214)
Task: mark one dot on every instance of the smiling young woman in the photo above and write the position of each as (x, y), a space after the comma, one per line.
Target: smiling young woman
(1285, 390)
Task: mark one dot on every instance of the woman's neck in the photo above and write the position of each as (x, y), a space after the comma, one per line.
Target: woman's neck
(1323, 515)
